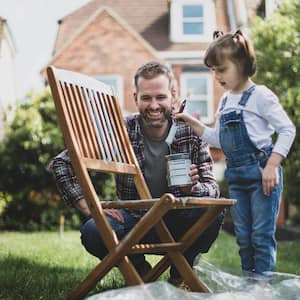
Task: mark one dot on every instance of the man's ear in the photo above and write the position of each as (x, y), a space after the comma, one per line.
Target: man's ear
(173, 92)
(135, 98)
(174, 95)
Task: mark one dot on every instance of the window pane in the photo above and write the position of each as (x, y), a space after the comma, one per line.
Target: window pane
(116, 82)
(197, 108)
(192, 11)
(197, 86)
(193, 28)
(110, 81)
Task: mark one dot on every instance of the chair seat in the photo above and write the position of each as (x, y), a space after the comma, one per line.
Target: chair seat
(181, 203)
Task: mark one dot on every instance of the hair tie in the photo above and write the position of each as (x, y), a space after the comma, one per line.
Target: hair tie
(217, 34)
(237, 36)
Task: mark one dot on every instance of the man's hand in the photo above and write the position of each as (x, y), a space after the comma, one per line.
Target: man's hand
(115, 214)
(193, 173)
(83, 207)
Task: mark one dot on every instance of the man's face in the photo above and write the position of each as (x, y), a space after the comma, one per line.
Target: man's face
(154, 101)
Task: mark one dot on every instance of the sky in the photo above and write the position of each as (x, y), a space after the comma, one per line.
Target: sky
(33, 24)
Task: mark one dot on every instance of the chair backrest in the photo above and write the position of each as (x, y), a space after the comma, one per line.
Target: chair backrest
(94, 132)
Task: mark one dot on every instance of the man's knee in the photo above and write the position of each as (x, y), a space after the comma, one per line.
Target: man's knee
(91, 239)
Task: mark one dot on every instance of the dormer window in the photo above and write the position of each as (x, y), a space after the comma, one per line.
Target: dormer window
(192, 20)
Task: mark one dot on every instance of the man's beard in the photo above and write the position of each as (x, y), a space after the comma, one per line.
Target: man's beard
(155, 124)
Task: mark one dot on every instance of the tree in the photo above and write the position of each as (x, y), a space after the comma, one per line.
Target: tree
(27, 188)
(277, 46)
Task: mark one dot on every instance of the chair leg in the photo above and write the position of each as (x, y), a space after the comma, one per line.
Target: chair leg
(126, 267)
(188, 238)
(115, 257)
(187, 273)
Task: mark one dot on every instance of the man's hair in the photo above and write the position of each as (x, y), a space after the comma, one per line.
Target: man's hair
(235, 47)
(151, 70)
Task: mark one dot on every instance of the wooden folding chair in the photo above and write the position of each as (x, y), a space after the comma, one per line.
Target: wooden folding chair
(96, 138)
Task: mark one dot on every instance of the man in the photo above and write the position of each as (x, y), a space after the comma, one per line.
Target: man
(154, 96)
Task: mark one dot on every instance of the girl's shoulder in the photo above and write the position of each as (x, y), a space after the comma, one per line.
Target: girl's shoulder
(263, 91)
(263, 99)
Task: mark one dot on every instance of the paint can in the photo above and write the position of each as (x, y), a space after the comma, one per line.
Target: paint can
(178, 167)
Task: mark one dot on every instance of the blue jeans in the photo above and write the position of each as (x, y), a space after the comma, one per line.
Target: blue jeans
(178, 222)
(254, 217)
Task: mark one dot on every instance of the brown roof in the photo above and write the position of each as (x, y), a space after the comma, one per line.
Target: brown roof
(150, 18)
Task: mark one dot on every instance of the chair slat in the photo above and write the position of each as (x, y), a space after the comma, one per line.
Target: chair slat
(109, 119)
(97, 120)
(83, 120)
(102, 111)
(109, 100)
(71, 114)
(89, 126)
(123, 136)
(156, 248)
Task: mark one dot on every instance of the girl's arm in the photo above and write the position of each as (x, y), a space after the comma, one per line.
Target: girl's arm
(197, 126)
(208, 134)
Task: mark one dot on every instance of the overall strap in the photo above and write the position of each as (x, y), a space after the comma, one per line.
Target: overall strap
(224, 100)
(246, 94)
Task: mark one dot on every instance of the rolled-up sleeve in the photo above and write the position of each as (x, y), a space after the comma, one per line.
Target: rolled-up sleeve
(65, 179)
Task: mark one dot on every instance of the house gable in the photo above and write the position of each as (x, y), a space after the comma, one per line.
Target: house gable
(106, 45)
(149, 18)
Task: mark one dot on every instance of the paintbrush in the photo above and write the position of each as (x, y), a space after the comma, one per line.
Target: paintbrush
(173, 128)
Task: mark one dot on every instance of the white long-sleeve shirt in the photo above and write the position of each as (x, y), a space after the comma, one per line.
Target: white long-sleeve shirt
(263, 115)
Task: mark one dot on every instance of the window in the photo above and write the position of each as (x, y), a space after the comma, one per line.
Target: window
(197, 88)
(192, 20)
(116, 81)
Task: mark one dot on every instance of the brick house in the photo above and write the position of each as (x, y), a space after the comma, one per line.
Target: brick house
(110, 39)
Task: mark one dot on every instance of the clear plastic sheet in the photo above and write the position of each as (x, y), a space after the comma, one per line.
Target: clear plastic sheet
(222, 285)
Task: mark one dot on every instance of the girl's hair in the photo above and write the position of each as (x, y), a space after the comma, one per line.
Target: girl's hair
(235, 47)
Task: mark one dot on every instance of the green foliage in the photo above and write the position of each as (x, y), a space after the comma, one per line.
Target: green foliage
(277, 47)
(28, 196)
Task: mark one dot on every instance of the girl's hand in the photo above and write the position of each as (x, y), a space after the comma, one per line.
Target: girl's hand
(270, 178)
(195, 124)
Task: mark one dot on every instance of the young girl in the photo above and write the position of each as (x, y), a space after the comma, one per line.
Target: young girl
(247, 117)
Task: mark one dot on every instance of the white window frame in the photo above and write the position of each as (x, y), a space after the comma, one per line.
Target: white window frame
(208, 97)
(118, 89)
(176, 21)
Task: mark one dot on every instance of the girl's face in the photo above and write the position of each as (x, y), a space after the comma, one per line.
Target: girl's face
(230, 77)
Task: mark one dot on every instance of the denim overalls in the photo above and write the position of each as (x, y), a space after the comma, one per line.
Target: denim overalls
(254, 216)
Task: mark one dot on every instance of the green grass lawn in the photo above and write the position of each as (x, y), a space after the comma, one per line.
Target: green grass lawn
(44, 265)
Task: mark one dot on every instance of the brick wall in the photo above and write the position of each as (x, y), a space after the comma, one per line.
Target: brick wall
(106, 47)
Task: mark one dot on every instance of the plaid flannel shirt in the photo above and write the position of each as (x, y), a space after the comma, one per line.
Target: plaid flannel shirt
(185, 141)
